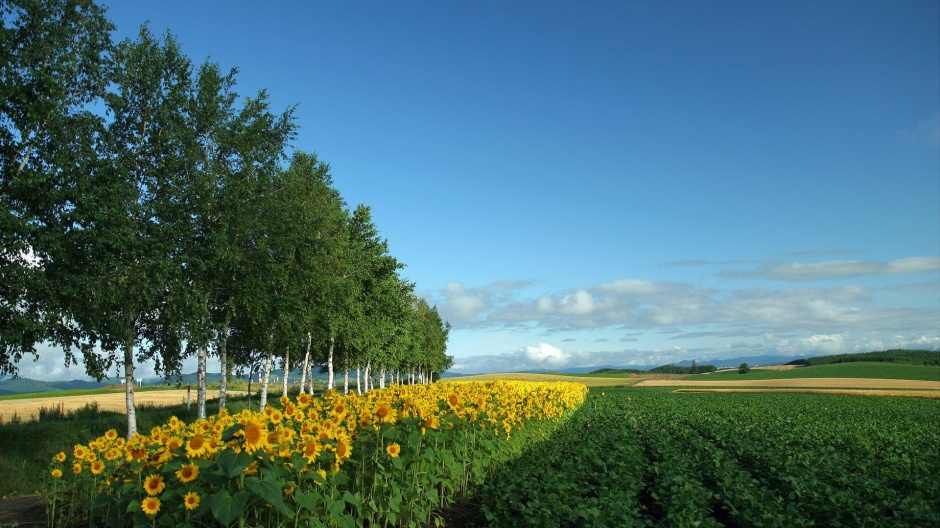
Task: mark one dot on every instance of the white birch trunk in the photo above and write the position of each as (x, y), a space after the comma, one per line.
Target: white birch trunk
(358, 386)
(346, 382)
(303, 371)
(286, 370)
(129, 388)
(264, 382)
(201, 383)
(329, 364)
(365, 374)
(223, 362)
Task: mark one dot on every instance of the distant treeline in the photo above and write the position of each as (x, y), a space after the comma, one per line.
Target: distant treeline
(617, 371)
(665, 369)
(675, 369)
(913, 357)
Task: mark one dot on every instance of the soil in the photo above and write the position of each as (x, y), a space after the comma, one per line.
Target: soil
(25, 510)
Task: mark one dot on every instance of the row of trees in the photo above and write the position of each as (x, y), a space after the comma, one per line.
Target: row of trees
(149, 212)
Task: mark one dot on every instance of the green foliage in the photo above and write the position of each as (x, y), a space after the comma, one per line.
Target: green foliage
(840, 370)
(616, 371)
(913, 357)
(633, 457)
(744, 368)
(674, 369)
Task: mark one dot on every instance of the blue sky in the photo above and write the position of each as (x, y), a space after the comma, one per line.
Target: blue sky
(624, 182)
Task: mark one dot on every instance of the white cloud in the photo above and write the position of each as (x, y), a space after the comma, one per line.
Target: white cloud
(850, 268)
(547, 354)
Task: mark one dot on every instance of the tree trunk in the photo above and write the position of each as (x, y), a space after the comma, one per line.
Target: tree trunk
(286, 370)
(129, 388)
(382, 379)
(346, 382)
(223, 361)
(264, 382)
(303, 370)
(365, 375)
(358, 386)
(329, 364)
(201, 383)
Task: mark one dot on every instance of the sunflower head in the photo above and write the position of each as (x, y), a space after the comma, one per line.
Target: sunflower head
(393, 450)
(150, 505)
(191, 500)
(188, 473)
(154, 485)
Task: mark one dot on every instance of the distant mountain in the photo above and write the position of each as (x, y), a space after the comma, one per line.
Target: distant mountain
(25, 385)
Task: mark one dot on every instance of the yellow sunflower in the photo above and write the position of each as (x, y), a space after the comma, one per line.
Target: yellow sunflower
(60, 456)
(154, 485)
(255, 436)
(393, 450)
(150, 505)
(343, 449)
(76, 468)
(56, 473)
(191, 500)
(97, 467)
(188, 473)
(196, 446)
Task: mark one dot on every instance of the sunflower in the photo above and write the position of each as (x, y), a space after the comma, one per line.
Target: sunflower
(343, 449)
(76, 468)
(196, 446)
(79, 451)
(60, 456)
(56, 473)
(150, 505)
(393, 450)
(136, 453)
(97, 467)
(383, 413)
(154, 484)
(191, 500)
(311, 450)
(453, 399)
(255, 436)
(303, 400)
(188, 473)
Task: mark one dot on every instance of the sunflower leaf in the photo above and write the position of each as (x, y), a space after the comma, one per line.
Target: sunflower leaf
(231, 464)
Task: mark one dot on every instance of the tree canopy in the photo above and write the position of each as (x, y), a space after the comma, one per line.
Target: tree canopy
(149, 211)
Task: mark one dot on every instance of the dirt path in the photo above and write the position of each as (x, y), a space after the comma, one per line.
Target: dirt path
(28, 408)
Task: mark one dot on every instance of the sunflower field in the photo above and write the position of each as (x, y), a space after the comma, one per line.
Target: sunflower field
(390, 457)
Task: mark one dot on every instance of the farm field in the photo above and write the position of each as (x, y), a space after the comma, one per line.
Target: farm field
(641, 457)
(28, 408)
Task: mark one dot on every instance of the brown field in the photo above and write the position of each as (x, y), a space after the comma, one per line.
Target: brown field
(28, 408)
(522, 376)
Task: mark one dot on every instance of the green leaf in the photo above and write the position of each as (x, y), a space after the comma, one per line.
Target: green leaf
(269, 490)
(226, 508)
(233, 465)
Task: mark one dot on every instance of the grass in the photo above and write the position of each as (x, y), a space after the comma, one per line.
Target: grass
(836, 370)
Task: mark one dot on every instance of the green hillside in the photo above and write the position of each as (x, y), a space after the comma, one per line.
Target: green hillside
(835, 370)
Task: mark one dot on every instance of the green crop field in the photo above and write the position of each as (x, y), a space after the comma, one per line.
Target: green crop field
(634, 457)
(836, 370)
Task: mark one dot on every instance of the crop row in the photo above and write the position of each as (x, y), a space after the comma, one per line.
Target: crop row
(645, 458)
(394, 456)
